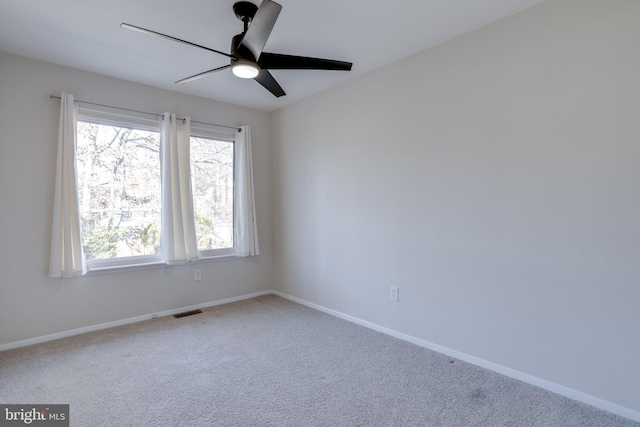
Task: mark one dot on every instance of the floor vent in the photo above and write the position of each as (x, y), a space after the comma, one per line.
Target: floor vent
(187, 313)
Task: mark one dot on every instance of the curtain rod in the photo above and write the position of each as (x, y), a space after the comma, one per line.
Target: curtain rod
(144, 112)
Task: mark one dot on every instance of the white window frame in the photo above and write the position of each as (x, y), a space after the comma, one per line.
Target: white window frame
(105, 117)
(207, 132)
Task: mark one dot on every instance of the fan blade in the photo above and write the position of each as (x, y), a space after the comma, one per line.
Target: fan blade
(261, 25)
(200, 75)
(277, 61)
(155, 33)
(268, 82)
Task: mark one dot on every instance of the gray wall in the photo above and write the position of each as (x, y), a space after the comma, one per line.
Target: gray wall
(31, 304)
(495, 179)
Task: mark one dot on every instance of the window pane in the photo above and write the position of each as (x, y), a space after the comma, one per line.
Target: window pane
(212, 186)
(119, 189)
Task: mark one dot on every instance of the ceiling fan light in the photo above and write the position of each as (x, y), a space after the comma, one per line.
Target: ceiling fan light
(245, 69)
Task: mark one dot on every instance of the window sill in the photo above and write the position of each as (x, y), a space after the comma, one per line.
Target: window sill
(107, 269)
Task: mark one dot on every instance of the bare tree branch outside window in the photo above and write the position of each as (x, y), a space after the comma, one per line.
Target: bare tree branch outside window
(119, 185)
(212, 186)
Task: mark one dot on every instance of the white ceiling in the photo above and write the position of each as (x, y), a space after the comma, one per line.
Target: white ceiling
(86, 34)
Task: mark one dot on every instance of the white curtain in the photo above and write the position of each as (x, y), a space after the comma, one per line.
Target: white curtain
(67, 257)
(246, 226)
(178, 232)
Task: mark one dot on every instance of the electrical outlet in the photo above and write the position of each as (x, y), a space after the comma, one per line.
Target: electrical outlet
(197, 275)
(393, 293)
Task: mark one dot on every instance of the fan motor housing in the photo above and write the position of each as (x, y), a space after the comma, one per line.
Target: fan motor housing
(240, 51)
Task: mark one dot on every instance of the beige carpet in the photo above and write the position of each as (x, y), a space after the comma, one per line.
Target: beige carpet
(271, 362)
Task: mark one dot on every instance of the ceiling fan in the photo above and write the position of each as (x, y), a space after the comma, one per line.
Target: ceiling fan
(247, 60)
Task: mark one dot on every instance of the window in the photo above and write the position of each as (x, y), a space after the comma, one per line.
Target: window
(213, 193)
(119, 187)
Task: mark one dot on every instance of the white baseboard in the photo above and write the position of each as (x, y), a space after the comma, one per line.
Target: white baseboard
(512, 373)
(107, 325)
